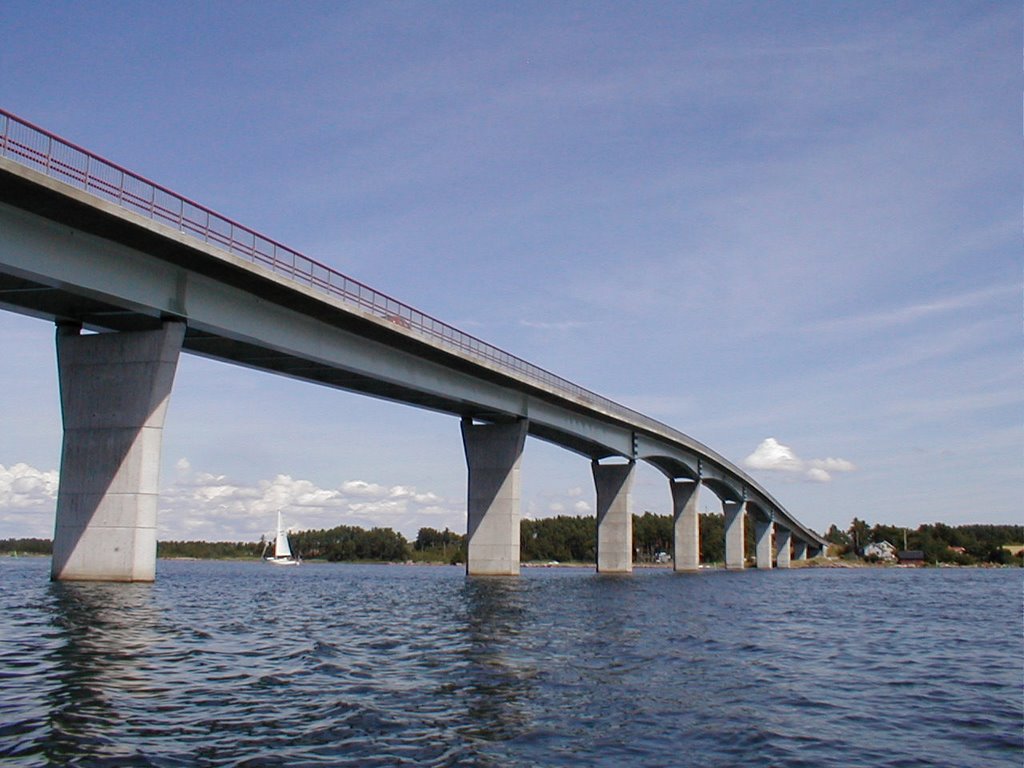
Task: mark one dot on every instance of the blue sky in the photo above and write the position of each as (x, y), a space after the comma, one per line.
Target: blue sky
(791, 230)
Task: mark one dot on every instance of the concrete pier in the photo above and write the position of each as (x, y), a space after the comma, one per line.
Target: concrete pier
(735, 533)
(783, 539)
(493, 456)
(763, 538)
(114, 390)
(614, 517)
(686, 532)
(799, 550)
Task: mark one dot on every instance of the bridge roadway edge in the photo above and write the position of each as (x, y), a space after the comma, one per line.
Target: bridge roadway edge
(191, 270)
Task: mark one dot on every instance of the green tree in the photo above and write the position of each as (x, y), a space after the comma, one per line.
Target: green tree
(432, 545)
(428, 538)
(562, 538)
(27, 546)
(860, 535)
(890, 533)
(651, 534)
(839, 539)
(712, 537)
(346, 542)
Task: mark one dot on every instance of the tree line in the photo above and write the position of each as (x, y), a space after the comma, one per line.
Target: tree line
(26, 546)
(940, 543)
(564, 539)
(568, 539)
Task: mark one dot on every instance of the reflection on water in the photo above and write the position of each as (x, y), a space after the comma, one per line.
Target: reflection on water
(496, 683)
(102, 634)
(239, 664)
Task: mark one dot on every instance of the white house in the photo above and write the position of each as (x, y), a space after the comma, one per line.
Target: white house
(883, 550)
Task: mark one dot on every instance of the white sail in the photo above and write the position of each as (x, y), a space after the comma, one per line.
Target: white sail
(281, 548)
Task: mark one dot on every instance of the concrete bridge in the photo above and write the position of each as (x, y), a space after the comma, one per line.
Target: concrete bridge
(92, 246)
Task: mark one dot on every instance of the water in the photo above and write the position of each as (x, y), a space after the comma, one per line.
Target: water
(246, 664)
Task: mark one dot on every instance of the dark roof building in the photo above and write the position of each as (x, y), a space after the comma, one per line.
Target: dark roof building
(910, 557)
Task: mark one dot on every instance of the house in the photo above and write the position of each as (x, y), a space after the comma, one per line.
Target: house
(881, 550)
(910, 557)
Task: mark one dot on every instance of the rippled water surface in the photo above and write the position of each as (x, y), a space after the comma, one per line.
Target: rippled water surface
(246, 664)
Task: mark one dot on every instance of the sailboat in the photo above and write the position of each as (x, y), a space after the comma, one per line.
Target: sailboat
(282, 552)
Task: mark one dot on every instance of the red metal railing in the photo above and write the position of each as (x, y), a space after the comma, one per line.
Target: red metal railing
(37, 148)
(59, 159)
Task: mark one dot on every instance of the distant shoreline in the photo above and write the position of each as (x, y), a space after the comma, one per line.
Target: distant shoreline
(832, 563)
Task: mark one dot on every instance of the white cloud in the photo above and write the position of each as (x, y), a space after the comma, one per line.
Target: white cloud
(25, 487)
(215, 508)
(818, 475)
(201, 505)
(360, 488)
(773, 456)
(28, 498)
(567, 502)
(832, 465)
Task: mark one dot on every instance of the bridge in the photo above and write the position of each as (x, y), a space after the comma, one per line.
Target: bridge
(131, 274)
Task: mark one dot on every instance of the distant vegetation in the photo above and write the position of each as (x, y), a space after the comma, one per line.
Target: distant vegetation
(348, 542)
(345, 542)
(568, 539)
(565, 539)
(572, 539)
(940, 543)
(25, 546)
(209, 550)
(433, 546)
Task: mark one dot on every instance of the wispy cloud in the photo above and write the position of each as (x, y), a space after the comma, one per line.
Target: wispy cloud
(739, 223)
(561, 325)
(667, 407)
(907, 314)
(567, 502)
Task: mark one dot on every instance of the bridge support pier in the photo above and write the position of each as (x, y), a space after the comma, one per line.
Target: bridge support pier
(614, 517)
(735, 533)
(763, 537)
(783, 539)
(686, 534)
(493, 456)
(799, 549)
(114, 390)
